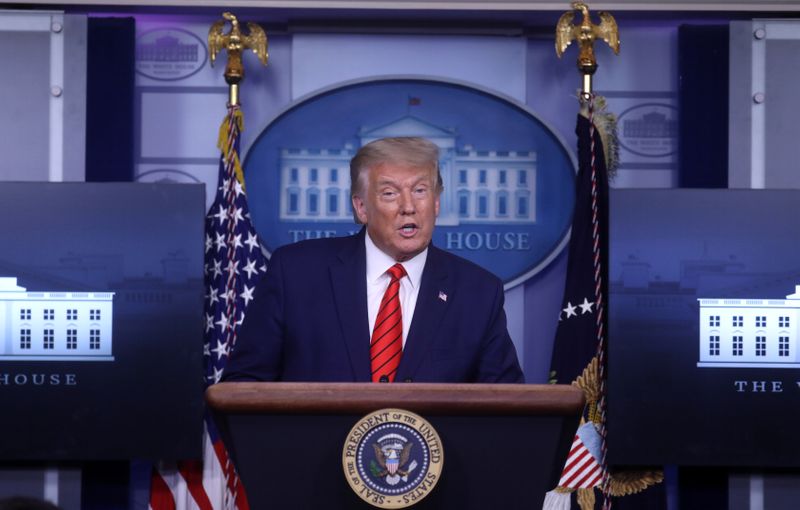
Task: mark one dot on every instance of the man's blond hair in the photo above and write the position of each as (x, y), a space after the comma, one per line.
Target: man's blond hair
(408, 151)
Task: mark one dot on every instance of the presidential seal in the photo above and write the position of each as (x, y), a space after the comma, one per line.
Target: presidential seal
(392, 458)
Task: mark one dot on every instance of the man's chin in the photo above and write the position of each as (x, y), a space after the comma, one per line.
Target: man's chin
(405, 251)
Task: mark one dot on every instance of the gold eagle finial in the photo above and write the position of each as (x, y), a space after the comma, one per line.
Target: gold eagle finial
(586, 33)
(235, 42)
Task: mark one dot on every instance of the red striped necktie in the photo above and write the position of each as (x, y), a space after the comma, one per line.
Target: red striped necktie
(387, 336)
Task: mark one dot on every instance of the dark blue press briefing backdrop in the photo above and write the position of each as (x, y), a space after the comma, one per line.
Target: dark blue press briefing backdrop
(101, 303)
(704, 314)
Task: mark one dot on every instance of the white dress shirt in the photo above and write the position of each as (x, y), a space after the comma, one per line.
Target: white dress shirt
(378, 281)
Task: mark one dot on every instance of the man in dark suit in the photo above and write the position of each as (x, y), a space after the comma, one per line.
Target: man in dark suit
(382, 305)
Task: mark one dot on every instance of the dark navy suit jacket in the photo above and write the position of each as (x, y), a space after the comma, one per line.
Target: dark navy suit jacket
(308, 321)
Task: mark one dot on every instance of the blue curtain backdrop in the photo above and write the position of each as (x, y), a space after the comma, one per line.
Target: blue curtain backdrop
(110, 80)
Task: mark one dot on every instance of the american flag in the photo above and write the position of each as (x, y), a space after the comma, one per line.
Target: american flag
(234, 263)
(583, 470)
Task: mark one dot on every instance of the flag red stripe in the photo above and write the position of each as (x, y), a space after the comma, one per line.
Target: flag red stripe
(576, 459)
(234, 485)
(160, 495)
(578, 465)
(596, 479)
(192, 472)
(589, 474)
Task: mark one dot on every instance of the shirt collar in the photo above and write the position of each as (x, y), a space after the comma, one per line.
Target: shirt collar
(378, 263)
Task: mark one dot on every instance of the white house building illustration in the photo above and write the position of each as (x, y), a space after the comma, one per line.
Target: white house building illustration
(55, 326)
(480, 186)
(750, 332)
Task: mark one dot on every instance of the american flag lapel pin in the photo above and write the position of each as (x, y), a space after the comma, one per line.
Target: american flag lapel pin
(443, 296)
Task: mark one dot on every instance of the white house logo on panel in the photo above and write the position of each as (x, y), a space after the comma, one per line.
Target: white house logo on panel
(54, 326)
(169, 54)
(750, 333)
(649, 130)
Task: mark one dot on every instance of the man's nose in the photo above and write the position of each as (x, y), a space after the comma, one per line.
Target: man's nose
(407, 205)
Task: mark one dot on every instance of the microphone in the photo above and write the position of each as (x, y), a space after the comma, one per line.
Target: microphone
(384, 378)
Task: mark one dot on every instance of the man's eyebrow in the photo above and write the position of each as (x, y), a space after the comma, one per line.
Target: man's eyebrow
(385, 181)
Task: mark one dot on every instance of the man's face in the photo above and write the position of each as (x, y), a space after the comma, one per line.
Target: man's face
(399, 205)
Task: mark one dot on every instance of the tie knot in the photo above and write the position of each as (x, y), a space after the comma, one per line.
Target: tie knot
(397, 271)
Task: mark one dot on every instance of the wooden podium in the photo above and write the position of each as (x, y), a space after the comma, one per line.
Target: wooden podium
(504, 444)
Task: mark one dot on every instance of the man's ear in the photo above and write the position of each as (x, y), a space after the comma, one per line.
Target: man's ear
(360, 209)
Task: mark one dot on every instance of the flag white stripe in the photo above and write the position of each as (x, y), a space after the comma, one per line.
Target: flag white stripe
(581, 476)
(213, 477)
(577, 465)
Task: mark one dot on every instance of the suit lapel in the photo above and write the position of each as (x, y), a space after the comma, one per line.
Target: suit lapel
(348, 278)
(431, 305)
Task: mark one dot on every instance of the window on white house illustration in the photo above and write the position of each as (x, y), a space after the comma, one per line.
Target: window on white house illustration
(502, 204)
(24, 338)
(483, 205)
(333, 202)
(49, 339)
(738, 345)
(94, 339)
(293, 199)
(783, 346)
(761, 346)
(463, 204)
(72, 339)
(713, 345)
(312, 198)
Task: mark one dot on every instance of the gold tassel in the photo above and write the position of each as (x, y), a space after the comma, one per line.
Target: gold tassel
(222, 142)
(606, 124)
(630, 482)
(586, 499)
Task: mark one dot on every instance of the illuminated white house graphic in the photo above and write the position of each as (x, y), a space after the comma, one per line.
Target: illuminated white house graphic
(74, 326)
(750, 332)
(480, 186)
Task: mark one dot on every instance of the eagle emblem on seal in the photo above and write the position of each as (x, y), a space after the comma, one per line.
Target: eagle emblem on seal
(392, 452)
